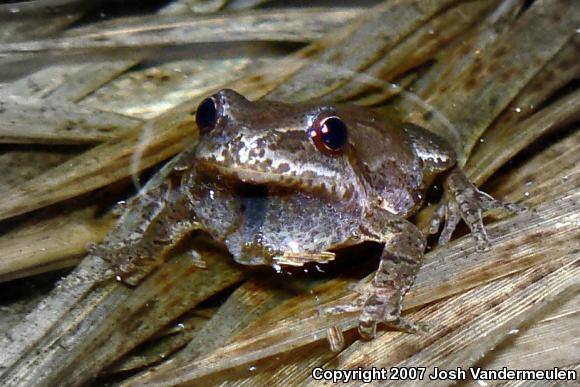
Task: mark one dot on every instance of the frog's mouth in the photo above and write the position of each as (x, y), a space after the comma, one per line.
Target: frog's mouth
(250, 190)
(250, 182)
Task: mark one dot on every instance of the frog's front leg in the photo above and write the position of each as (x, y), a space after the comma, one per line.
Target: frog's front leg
(402, 256)
(462, 200)
(151, 223)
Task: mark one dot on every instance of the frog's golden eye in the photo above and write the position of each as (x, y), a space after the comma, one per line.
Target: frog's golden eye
(329, 134)
(206, 115)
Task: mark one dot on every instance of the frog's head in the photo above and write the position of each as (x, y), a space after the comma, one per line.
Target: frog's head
(276, 145)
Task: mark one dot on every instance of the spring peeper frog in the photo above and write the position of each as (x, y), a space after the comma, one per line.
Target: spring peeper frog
(287, 184)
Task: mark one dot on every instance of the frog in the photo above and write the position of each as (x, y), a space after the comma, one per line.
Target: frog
(291, 184)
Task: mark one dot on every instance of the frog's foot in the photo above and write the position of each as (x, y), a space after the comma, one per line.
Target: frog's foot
(462, 200)
(377, 306)
(383, 306)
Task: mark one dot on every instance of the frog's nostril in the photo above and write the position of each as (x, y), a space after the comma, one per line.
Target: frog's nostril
(206, 115)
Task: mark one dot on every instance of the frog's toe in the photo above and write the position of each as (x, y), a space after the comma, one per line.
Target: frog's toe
(381, 306)
(374, 310)
(356, 287)
(452, 218)
(465, 201)
(355, 306)
(487, 203)
(478, 231)
(472, 207)
(368, 329)
(437, 218)
(386, 312)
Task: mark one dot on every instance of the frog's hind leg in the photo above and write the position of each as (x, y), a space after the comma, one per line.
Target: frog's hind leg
(380, 300)
(401, 259)
(462, 200)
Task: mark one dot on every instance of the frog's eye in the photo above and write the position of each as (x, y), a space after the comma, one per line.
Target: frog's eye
(329, 134)
(206, 115)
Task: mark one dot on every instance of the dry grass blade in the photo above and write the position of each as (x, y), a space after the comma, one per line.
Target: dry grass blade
(245, 306)
(382, 79)
(562, 69)
(60, 85)
(243, 4)
(79, 305)
(67, 82)
(39, 83)
(205, 6)
(163, 345)
(42, 122)
(22, 165)
(463, 52)
(464, 328)
(27, 19)
(27, 250)
(279, 25)
(100, 166)
(545, 175)
(558, 116)
(370, 37)
(552, 341)
(491, 87)
(91, 77)
(150, 92)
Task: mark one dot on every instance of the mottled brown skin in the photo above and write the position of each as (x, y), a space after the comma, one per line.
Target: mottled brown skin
(258, 183)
